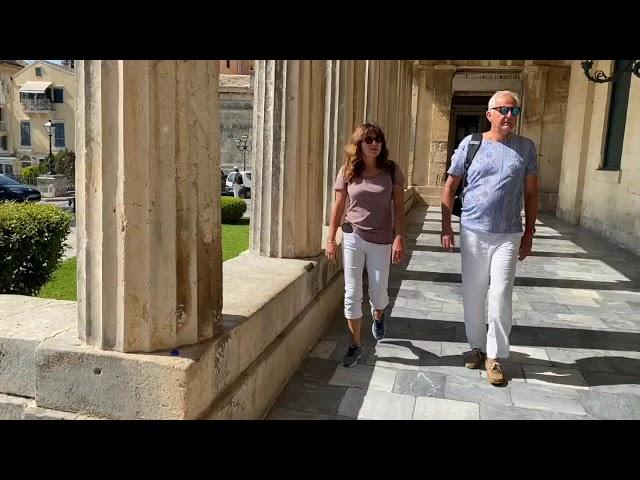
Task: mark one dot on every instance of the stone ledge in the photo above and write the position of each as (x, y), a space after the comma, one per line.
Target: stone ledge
(251, 396)
(12, 408)
(25, 323)
(19, 408)
(262, 296)
(74, 377)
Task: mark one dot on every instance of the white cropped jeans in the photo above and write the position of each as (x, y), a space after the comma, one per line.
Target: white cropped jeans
(357, 252)
(484, 256)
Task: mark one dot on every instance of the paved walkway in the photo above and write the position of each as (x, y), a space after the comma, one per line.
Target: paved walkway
(575, 339)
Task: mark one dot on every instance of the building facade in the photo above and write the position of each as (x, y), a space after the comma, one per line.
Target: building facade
(42, 91)
(8, 68)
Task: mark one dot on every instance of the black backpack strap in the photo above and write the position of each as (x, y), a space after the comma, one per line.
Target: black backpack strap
(391, 166)
(472, 149)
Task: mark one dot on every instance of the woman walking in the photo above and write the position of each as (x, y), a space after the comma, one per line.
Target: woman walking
(371, 187)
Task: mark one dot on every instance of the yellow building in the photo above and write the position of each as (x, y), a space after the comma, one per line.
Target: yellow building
(40, 92)
(600, 170)
(8, 68)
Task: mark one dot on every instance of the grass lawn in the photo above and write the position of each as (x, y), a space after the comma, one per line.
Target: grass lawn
(235, 239)
(63, 284)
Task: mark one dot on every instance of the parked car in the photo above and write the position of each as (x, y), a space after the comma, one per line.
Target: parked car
(245, 188)
(11, 189)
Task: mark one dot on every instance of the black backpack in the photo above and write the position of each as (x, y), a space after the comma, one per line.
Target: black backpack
(239, 179)
(472, 149)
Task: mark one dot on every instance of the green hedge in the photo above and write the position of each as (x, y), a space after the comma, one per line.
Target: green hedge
(32, 241)
(29, 175)
(232, 209)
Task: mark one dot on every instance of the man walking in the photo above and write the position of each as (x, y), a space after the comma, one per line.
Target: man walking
(237, 182)
(503, 170)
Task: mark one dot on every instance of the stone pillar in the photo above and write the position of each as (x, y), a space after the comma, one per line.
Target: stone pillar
(403, 115)
(423, 89)
(288, 132)
(575, 145)
(148, 213)
(371, 113)
(442, 86)
(360, 92)
(534, 83)
(341, 118)
(545, 92)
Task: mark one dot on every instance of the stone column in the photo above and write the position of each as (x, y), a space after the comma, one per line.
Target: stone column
(423, 89)
(341, 118)
(404, 123)
(442, 86)
(148, 213)
(371, 113)
(575, 145)
(545, 92)
(288, 132)
(360, 92)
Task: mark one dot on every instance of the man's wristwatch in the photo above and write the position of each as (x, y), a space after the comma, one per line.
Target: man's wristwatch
(532, 230)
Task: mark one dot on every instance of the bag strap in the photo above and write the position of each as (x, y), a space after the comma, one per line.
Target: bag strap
(392, 171)
(472, 149)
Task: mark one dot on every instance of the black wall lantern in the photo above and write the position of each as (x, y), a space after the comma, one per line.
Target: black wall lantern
(600, 77)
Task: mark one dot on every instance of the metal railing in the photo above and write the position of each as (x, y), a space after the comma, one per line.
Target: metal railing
(37, 104)
(3, 126)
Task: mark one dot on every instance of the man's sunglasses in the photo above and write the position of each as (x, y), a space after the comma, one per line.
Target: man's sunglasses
(370, 140)
(515, 111)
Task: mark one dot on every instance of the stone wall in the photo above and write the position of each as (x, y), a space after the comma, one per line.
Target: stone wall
(607, 202)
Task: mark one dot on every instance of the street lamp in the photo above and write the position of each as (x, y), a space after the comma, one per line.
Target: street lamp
(620, 66)
(49, 126)
(243, 144)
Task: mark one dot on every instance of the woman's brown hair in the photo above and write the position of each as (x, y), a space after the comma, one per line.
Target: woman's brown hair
(354, 163)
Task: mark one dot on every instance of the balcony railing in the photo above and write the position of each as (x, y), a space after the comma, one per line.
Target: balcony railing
(3, 126)
(37, 105)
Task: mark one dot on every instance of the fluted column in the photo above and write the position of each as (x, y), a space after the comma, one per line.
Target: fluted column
(148, 213)
(289, 111)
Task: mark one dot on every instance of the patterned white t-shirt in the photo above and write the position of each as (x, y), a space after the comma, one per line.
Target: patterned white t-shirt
(493, 197)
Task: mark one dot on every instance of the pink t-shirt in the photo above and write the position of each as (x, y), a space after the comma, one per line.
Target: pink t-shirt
(370, 204)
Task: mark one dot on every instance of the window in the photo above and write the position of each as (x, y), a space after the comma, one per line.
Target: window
(228, 63)
(58, 95)
(618, 104)
(38, 71)
(25, 134)
(3, 143)
(58, 134)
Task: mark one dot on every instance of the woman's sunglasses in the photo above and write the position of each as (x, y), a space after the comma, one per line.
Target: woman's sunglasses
(515, 111)
(370, 140)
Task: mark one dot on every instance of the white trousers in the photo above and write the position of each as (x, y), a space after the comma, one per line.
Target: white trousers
(357, 252)
(236, 189)
(484, 256)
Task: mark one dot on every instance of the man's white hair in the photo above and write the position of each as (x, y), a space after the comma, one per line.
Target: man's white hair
(494, 99)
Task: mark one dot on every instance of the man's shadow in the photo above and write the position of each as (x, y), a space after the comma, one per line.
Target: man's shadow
(602, 370)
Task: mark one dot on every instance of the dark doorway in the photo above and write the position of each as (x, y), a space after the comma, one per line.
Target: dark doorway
(468, 115)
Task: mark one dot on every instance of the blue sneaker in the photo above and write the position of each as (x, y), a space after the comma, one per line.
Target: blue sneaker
(377, 326)
(352, 356)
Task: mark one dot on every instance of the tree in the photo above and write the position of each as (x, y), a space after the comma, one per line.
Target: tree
(66, 165)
